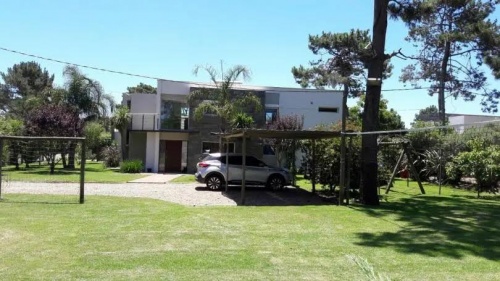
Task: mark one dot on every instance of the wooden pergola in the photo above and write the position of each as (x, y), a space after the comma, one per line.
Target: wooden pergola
(244, 134)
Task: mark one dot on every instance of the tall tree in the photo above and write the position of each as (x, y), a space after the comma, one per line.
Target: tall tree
(455, 38)
(54, 121)
(345, 67)
(369, 147)
(221, 99)
(141, 88)
(389, 119)
(428, 114)
(120, 121)
(86, 94)
(23, 85)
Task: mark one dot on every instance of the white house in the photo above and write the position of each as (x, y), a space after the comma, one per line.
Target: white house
(462, 121)
(164, 134)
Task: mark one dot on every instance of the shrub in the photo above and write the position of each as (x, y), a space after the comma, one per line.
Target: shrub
(482, 163)
(131, 166)
(111, 156)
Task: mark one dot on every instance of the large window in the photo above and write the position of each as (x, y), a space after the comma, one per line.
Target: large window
(271, 115)
(212, 147)
(174, 115)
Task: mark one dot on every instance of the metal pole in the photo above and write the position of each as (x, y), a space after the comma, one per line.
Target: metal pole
(82, 173)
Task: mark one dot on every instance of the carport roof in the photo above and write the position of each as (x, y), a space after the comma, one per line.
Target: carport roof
(280, 134)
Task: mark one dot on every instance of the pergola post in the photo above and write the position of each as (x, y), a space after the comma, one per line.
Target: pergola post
(349, 163)
(1, 165)
(244, 164)
(82, 172)
(313, 173)
(227, 165)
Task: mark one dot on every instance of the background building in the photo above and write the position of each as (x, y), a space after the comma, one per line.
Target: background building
(165, 136)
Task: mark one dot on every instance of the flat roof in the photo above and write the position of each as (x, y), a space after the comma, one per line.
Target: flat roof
(238, 85)
(280, 134)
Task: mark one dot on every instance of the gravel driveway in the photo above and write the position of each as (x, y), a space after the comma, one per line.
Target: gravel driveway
(192, 194)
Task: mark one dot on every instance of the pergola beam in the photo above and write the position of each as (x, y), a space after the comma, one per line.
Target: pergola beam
(271, 134)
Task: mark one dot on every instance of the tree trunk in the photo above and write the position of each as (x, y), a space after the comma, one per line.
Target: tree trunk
(369, 149)
(71, 155)
(442, 84)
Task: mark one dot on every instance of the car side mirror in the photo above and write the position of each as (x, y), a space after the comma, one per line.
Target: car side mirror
(262, 164)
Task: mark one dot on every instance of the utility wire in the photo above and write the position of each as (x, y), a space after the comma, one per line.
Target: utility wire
(80, 65)
(152, 77)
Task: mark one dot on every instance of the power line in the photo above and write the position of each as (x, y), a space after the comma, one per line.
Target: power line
(152, 77)
(80, 65)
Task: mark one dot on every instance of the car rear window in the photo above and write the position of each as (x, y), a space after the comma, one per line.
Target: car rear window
(210, 158)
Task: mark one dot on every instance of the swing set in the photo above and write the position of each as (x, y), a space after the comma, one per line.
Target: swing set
(405, 146)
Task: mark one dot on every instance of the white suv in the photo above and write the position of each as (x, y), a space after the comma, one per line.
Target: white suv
(211, 170)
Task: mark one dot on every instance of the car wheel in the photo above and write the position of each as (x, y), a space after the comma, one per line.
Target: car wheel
(275, 183)
(214, 182)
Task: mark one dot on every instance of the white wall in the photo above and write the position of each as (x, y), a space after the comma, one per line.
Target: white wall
(152, 151)
(467, 121)
(307, 104)
(172, 87)
(143, 103)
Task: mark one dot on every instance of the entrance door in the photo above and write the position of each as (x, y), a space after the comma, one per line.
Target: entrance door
(173, 156)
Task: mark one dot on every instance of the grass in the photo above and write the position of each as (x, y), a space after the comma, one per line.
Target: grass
(184, 179)
(408, 237)
(94, 172)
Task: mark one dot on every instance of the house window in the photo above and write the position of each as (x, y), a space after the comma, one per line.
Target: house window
(129, 104)
(271, 115)
(328, 109)
(174, 115)
(212, 147)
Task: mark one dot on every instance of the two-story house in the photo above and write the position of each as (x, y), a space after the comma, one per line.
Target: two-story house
(165, 136)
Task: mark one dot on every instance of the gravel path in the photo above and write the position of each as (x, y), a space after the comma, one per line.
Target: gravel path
(192, 194)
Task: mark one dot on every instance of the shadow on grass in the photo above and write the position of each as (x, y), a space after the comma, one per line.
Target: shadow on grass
(438, 226)
(259, 196)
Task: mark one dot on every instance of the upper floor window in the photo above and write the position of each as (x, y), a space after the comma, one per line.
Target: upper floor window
(328, 109)
(174, 115)
(271, 115)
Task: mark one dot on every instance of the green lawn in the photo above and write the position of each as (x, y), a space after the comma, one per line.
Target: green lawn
(94, 172)
(408, 237)
(184, 179)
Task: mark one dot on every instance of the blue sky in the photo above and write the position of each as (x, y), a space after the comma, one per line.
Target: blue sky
(168, 38)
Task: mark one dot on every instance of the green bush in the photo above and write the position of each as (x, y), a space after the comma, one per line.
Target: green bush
(111, 156)
(482, 163)
(131, 166)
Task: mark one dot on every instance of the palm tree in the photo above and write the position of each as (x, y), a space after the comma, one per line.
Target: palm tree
(120, 121)
(87, 94)
(221, 100)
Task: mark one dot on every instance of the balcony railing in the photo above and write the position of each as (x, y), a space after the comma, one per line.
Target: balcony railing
(154, 122)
